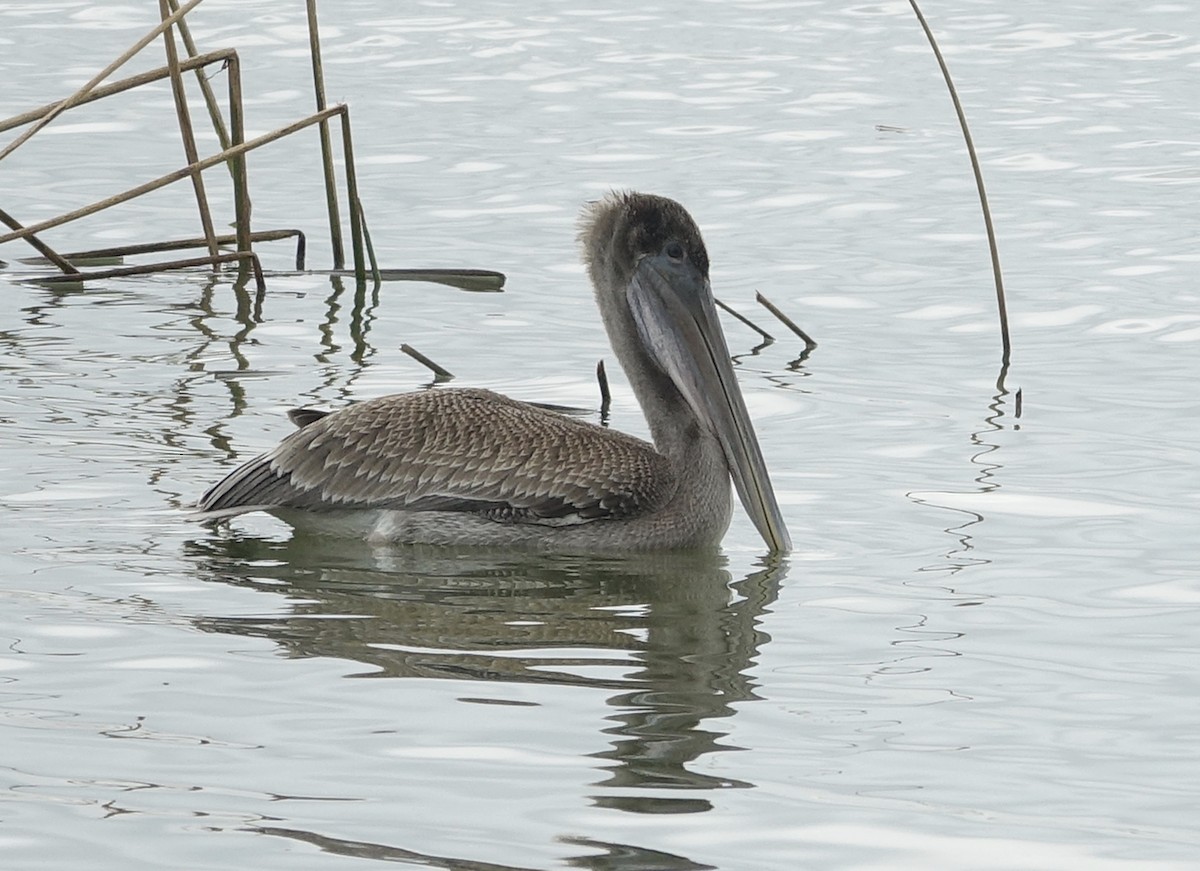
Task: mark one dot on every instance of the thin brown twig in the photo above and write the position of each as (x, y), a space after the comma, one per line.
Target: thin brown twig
(331, 199)
(49, 253)
(78, 96)
(975, 167)
(225, 55)
(439, 373)
(767, 337)
(242, 206)
(159, 267)
(171, 177)
(366, 234)
(186, 133)
(605, 396)
(236, 165)
(473, 280)
(177, 245)
(355, 205)
(210, 99)
(809, 342)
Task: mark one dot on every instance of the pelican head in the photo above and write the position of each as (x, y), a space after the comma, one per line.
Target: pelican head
(649, 268)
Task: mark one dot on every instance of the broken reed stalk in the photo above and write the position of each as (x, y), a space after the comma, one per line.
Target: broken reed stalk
(355, 205)
(186, 133)
(237, 165)
(49, 253)
(169, 178)
(225, 55)
(605, 396)
(472, 280)
(210, 99)
(439, 373)
(79, 95)
(376, 276)
(809, 342)
(983, 202)
(767, 337)
(232, 64)
(232, 153)
(331, 200)
(179, 244)
(260, 282)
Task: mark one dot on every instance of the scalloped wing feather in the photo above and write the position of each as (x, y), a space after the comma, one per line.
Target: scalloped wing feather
(453, 450)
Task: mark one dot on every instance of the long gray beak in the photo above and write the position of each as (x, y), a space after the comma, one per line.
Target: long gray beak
(672, 305)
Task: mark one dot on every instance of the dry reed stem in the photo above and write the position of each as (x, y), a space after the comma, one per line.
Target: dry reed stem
(123, 271)
(242, 206)
(232, 63)
(226, 55)
(210, 99)
(983, 201)
(767, 337)
(49, 253)
(78, 96)
(171, 177)
(186, 133)
(331, 199)
(355, 205)
(180, 244)
(473, 280)
(439, 373)
(605, 395)
(809, 343)
(375, 274)
(237, 165)
(232, 153)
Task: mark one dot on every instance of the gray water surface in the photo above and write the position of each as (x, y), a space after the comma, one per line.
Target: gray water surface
(982, 654)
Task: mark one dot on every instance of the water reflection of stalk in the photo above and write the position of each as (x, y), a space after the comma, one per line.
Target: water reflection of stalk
(362, 316)
(795, 368)
(678, 648)
(957, 558)
(614, 856)
(248, 314)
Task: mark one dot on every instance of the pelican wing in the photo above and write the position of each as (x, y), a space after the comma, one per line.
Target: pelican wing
(452, 450)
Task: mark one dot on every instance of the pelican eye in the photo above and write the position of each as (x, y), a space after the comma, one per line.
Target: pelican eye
(675, 250)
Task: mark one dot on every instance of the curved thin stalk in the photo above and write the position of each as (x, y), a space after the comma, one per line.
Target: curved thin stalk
(983, 202)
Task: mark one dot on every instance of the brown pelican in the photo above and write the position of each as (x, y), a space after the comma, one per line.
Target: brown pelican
(468, 466)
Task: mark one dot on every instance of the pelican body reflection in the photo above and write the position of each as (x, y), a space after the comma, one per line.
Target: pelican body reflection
(668, 639)
(464, 466)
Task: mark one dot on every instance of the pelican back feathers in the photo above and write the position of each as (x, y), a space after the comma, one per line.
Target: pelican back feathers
(460, 450)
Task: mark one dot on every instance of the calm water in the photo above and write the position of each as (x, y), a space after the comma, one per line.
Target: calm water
(983, 652)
